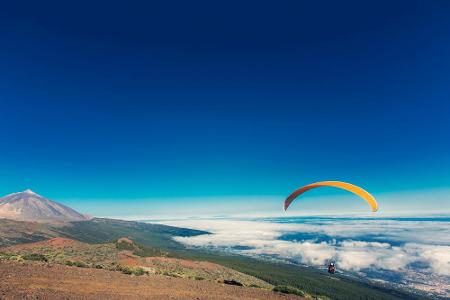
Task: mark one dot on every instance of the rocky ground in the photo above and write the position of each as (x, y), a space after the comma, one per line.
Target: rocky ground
(38, 280)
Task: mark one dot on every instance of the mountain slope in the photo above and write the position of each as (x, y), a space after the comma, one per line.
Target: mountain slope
(17, 232)
(29, 206)
(128, 257)
(31, 280)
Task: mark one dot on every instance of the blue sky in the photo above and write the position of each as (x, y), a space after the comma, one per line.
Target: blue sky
(114, 108)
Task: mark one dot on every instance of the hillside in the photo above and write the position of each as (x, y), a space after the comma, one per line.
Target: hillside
(125, 256)
(95, 230)
(29, 206)
(17, 232)
(35, 280)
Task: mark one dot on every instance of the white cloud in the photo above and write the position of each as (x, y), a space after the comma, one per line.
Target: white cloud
(398, 243)
(307, 252)
(359, 255)
(438, 257)
(417, 251)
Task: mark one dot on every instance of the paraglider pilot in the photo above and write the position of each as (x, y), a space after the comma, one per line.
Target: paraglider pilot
(331, 268)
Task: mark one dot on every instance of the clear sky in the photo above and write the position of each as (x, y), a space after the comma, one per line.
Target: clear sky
(118, 108)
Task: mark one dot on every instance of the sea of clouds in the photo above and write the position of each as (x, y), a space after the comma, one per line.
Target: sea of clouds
(417, 252)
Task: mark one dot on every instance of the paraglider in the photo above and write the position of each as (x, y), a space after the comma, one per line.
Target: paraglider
(338, 184)
(331, 268)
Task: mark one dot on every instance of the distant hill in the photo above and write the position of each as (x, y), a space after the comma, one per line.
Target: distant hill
(29, 206)
(95, 231)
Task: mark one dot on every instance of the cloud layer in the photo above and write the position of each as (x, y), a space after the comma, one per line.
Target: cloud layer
(363, 246)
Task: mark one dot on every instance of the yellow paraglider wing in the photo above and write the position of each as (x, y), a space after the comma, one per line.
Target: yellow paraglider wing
(338, 184)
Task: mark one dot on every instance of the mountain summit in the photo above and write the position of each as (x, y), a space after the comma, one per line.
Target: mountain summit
(29, 206)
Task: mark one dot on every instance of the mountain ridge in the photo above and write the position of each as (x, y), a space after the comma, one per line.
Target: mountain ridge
(30, 206)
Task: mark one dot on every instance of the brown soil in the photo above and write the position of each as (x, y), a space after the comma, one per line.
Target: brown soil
(183, 262)
(27, 280)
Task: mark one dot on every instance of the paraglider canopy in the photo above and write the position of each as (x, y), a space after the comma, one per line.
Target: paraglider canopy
(338, 184)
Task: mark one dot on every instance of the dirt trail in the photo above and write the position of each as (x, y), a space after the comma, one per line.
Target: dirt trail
(26, 280)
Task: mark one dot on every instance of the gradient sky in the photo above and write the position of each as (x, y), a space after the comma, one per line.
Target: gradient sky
(116, 108)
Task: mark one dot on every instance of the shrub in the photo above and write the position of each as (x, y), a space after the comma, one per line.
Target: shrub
(166, 273)
(35, 257)
(126, 270)
(232, 282)
(17, 258)
(78, 264)
(10, 256)
(120, 268)
(123, 245)
(286, 289)
(7, 256)
(139, 271)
